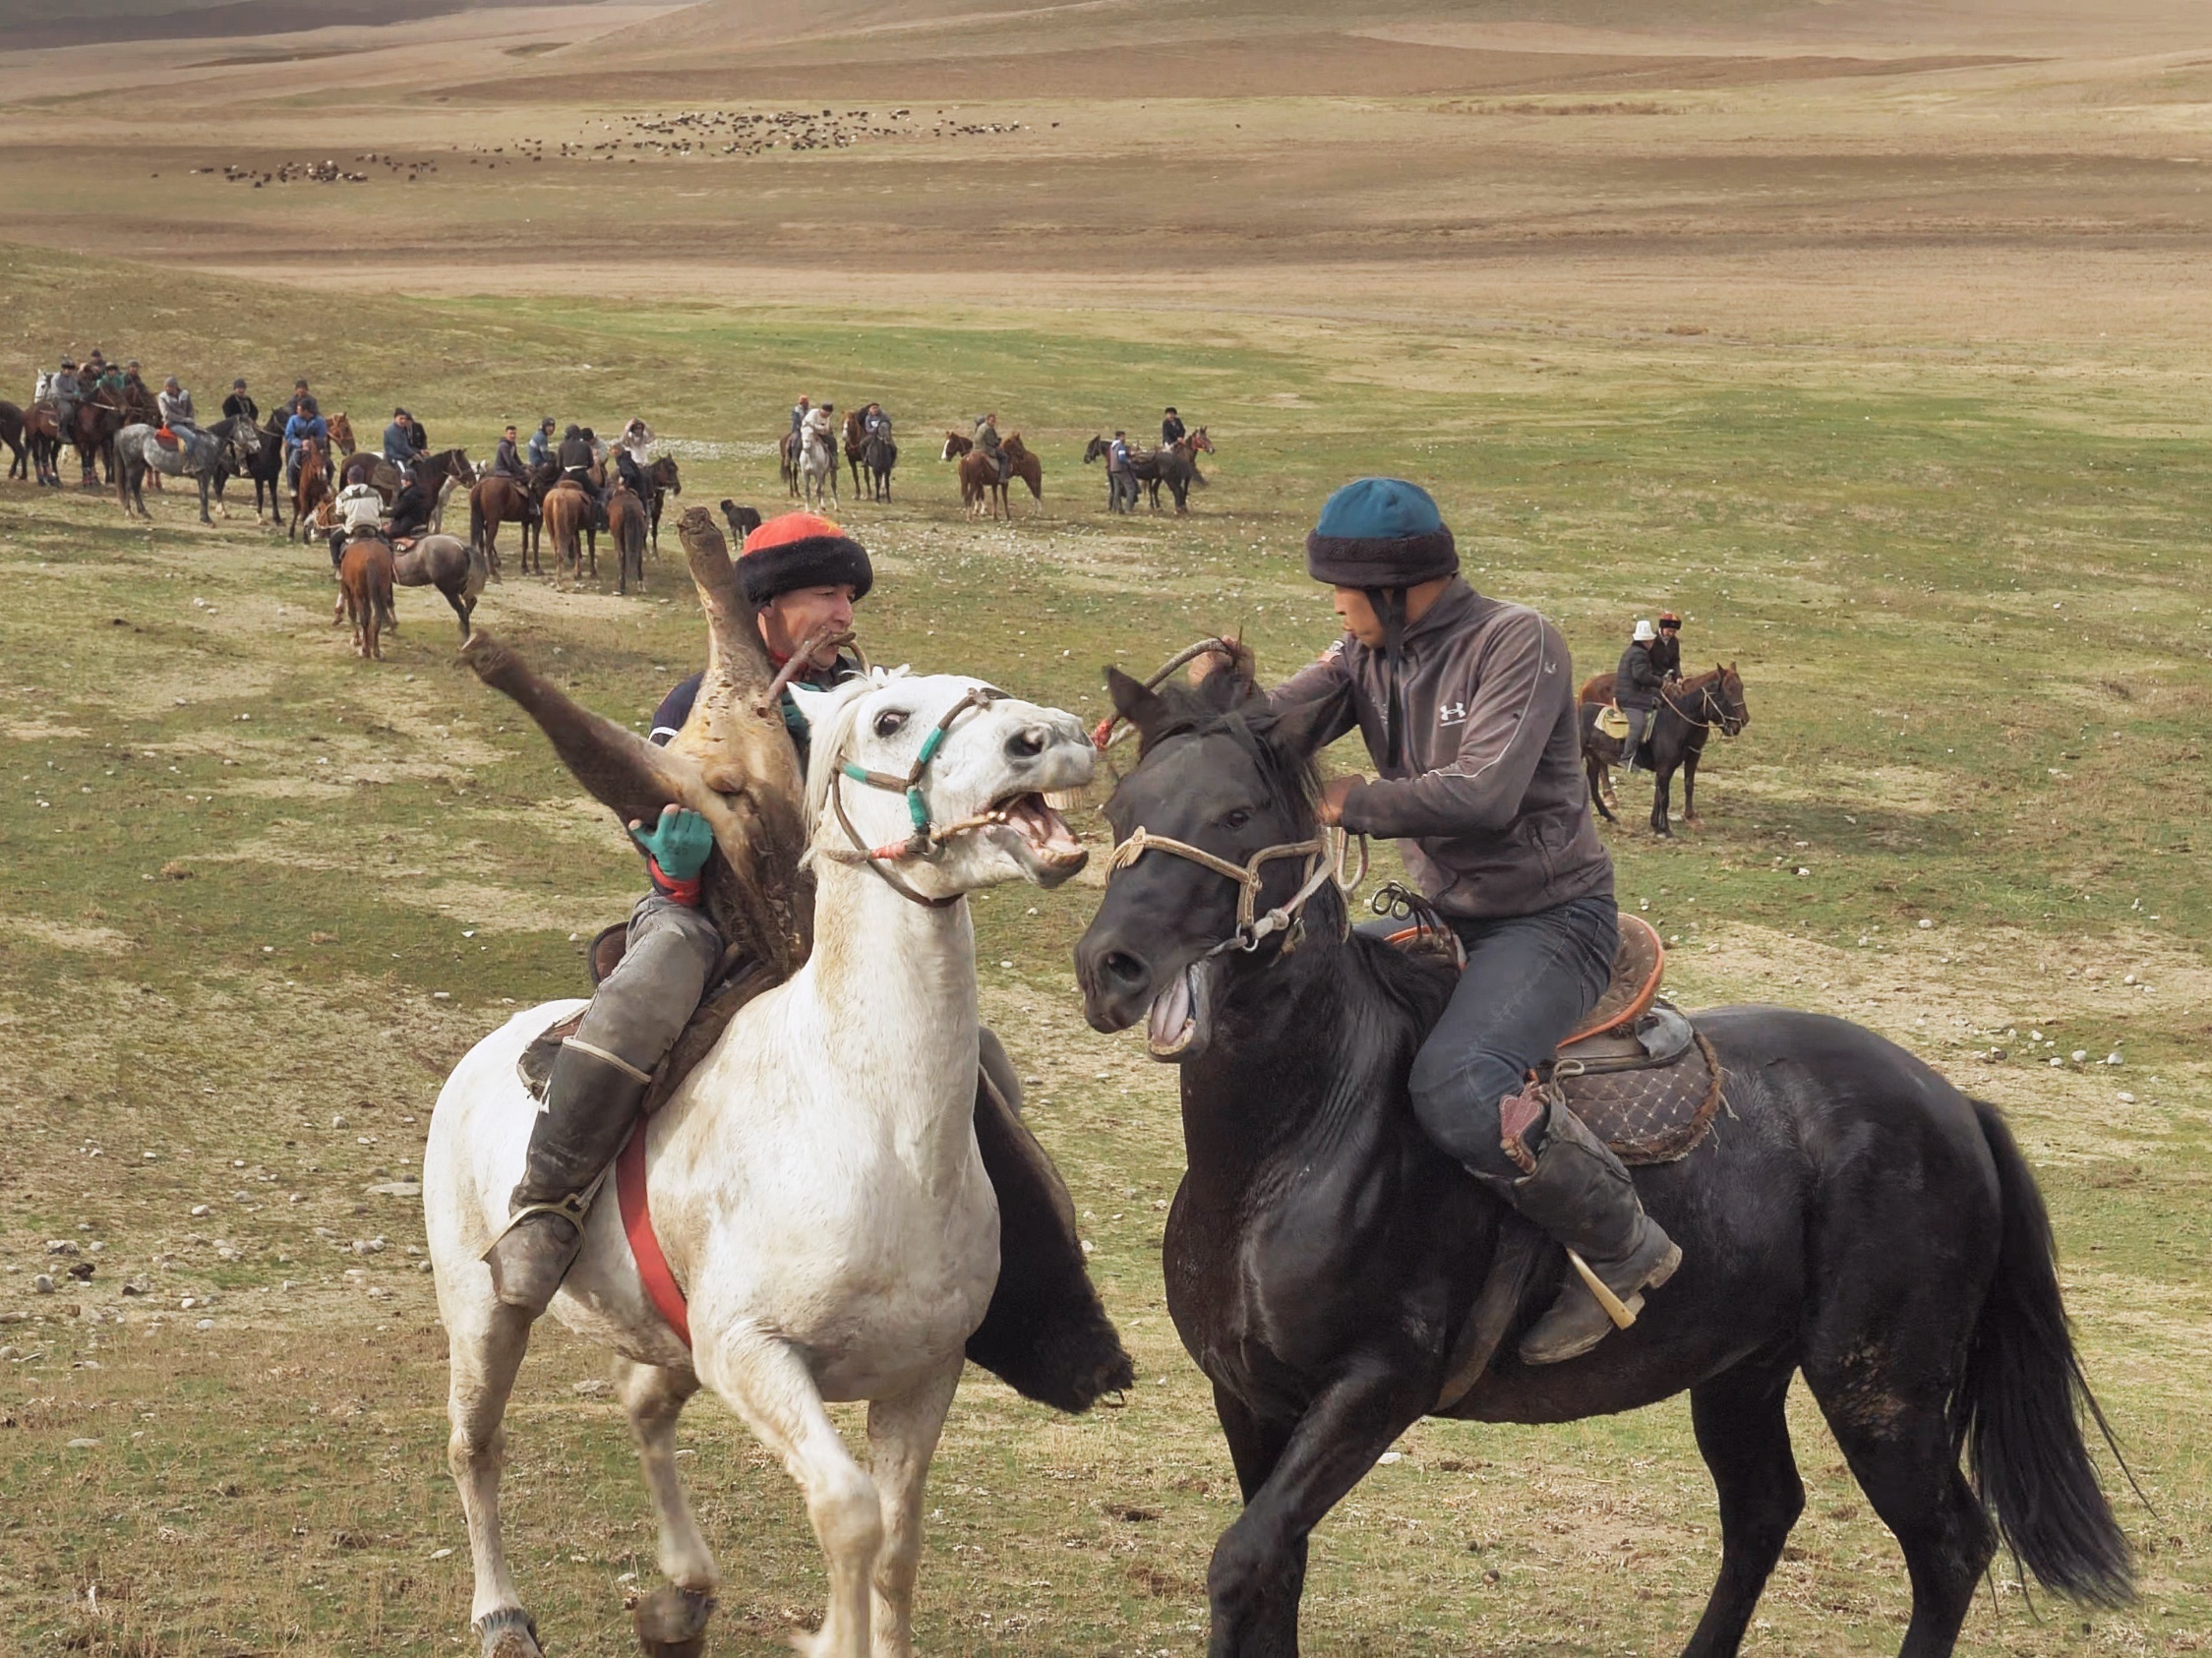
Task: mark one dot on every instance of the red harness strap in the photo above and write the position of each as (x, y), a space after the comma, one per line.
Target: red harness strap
(661, 1286)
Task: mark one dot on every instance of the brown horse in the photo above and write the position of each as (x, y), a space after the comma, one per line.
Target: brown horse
(500, 499)
(41, 440)
(91, 431)
(312, 487)
(365, 577)
(1688, 709)
(341, 433)
(567, 512)
(626, 523)
(787, 462)
(856, 440)
(980, 492)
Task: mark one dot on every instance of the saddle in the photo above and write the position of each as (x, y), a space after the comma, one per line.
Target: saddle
(1637, 1071)
(169, 439)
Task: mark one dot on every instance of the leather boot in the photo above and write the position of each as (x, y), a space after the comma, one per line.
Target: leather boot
(1578, 1194)
(590, 1105)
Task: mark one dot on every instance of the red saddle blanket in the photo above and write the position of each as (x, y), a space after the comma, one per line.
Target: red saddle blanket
(169, 439)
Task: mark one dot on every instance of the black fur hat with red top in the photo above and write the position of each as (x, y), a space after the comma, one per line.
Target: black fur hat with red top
(801, 550)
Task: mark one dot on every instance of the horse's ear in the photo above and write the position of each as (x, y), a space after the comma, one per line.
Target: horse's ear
(1307, 728)
(1144, 709)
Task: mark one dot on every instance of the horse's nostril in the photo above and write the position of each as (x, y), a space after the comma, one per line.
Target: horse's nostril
(1029, 743)
(1120, 964)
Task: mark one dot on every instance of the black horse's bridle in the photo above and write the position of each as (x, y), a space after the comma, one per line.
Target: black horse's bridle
(1709, 701)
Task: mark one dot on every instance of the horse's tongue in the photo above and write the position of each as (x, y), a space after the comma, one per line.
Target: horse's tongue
(1170, 1014)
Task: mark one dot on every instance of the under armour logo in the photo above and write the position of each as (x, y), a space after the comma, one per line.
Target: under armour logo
(1451, 714)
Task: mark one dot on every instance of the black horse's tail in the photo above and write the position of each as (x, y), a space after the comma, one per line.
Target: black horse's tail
(2020, 1407)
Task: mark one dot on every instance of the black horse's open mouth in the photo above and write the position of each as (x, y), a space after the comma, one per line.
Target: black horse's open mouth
(1042, 835)
(1178, 1025)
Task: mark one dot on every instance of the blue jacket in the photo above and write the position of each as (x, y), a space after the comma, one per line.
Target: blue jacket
(302, 426)
(398, 443)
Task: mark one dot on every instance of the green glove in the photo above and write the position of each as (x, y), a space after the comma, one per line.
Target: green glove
(679, 842)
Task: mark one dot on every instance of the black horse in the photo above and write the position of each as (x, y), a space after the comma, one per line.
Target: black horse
(1853, 1216)
(265, 466)
(878, 455)
(1674, 740)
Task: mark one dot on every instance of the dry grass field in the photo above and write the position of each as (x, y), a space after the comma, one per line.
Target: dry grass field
(1871, 336)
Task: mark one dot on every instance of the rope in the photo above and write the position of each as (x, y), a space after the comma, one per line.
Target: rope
(1326, 855)
(1101, 734)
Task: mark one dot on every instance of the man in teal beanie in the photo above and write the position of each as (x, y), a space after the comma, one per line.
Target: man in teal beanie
(1468, 707)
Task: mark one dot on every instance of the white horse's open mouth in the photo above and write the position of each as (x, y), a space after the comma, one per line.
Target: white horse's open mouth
(1043, 838)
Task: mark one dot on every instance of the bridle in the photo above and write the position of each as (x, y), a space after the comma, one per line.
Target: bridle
(1325, 857)
(1707, 701)
(927, 837)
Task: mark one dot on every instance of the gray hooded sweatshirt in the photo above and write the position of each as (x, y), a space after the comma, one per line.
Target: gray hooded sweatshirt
(1489, 801)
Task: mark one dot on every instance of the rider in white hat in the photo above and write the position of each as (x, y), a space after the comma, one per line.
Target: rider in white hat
(1636, 687)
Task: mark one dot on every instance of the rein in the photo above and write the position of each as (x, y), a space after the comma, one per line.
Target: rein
(1705, 702)
(927, 837)
(1325, 862)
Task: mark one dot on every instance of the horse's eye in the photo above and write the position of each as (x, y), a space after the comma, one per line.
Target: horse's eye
(888, 722)
(1238, 818)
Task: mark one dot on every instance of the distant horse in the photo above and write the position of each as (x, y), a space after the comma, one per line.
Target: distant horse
(311, 488)
(197, 456)
(878, 455)
(265, 467)
(11, 434)
(383, 477)
(855, 433)
(818, 469)
(662, 480)
(568, 514)
(91, 431)
(1176, 466)
(365, 577)
(341, 434)
(42, 439)
(1688, 710)
(457, 570)
(1121, 487)
(500, 499)
(981, 491)
(1852, 1217)
(626, 526)
(786, 461)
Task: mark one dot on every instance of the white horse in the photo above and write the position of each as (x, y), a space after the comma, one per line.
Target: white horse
(817, 462)
(199, 455)
(816, 1183)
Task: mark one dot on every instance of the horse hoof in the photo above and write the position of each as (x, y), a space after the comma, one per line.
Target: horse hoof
(509, 1632)
(672, 1621)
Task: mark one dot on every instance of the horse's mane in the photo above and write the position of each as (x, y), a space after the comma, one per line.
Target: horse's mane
(1228, 702)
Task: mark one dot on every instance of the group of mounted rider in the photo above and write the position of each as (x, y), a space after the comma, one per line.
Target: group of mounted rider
(1132, 470)
(807, 454)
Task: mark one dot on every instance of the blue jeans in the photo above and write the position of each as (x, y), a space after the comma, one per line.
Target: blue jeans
(1530, 981)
